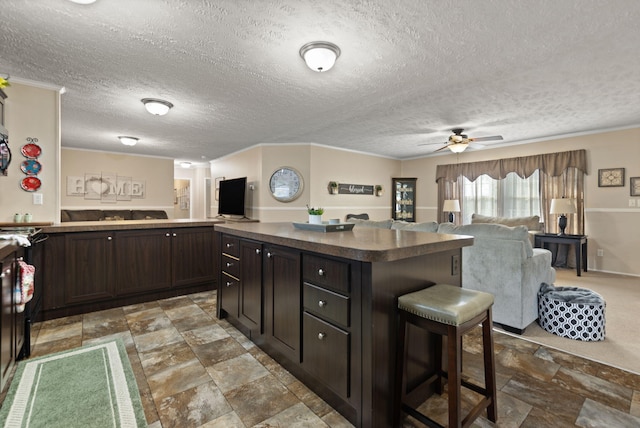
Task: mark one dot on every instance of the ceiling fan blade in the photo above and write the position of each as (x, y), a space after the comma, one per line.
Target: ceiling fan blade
(494, 138)
(441, 148)
(429, 144)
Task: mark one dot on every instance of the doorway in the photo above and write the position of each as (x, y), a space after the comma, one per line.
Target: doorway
(181, 198)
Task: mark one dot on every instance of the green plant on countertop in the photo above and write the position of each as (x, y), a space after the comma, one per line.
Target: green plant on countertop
(315, 211)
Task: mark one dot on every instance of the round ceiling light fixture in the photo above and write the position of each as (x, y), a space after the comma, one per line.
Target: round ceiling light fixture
(83, 1)
(185, 164)
(128, 141)
(320, 56)
(156, 106)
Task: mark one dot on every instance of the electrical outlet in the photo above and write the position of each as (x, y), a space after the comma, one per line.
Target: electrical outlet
(632, 202)
(600, 252)
(455, 265)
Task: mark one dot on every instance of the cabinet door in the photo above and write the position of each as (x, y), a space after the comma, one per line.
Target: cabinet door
(89, 266)
(192, 249)
(251, 286)
(282, 298)
(143, 261)
(403, 203)
(229, 292)
(6, 320)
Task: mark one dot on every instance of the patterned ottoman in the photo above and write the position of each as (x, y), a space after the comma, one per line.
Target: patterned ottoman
(576, 313)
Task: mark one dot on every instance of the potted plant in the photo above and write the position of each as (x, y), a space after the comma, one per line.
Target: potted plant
(333, 187)
(378, 190)
(315, 215)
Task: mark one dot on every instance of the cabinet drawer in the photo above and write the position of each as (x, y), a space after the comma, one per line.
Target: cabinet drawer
(327, 273)
(231, 265)
(326, 304)
(231, 245)
(326, 354)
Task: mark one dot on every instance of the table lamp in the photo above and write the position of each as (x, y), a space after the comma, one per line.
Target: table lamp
(451, 206)
(562, 206)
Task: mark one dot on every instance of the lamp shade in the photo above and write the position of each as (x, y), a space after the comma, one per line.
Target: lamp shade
(451, 205)
(320, 56)
(156, 106)
(563, 206)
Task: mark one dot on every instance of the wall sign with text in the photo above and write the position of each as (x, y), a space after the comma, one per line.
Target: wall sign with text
(355, 189)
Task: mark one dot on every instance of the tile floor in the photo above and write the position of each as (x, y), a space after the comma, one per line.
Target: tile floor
(196, 371)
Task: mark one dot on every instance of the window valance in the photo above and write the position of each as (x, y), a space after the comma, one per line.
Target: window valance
(553, 164)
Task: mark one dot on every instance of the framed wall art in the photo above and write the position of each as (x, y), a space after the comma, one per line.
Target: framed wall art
(634, 183)
(611, 177)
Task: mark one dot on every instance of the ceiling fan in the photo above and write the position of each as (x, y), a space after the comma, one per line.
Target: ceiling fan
(458, 142)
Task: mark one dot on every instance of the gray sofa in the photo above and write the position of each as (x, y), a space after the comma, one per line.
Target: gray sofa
(501, 261)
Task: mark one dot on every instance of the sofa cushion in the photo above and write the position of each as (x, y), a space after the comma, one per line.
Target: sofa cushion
(494, 231)
(148, 214)
(380, 224)
(418, 227)
(85, 215)
(531, 222)
(117, 214)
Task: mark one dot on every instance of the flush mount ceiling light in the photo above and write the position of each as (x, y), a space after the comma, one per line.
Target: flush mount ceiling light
(320, 56)
(128, 141)
(156, 106)
(185, 164)
(83, 1)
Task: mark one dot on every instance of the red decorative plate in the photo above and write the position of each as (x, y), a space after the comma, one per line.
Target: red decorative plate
(31, 151)
(30, 184)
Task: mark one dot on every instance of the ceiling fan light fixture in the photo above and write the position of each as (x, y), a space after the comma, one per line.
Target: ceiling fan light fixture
(156, 107)
(320, 56)
(128, 141)
(458, 147)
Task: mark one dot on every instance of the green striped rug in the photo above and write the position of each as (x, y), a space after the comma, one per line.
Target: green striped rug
(91, 386)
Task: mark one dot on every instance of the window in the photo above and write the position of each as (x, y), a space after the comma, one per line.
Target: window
(511, 197)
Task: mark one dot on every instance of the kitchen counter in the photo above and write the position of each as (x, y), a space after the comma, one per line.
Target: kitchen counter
(324, 305)
(362, 244)
(97, 226)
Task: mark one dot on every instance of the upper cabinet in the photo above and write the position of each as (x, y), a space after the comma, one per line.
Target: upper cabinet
(403, 202)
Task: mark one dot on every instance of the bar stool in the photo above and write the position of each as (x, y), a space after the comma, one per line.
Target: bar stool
(451, 312)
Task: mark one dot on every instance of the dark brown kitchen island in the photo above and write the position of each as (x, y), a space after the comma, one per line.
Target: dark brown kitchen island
(324, 304)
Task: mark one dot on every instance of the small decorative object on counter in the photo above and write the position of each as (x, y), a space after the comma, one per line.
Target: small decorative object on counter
(27, 218)
(17, 218)
(315, 215)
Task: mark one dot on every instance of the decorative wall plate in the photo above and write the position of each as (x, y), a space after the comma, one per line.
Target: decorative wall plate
(30, 183)
(31, 151)
(30, 167)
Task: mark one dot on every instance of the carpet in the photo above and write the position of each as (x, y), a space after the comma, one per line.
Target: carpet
(91, 386)
(621, 345)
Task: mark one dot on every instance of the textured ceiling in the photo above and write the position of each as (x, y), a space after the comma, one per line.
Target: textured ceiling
(410, 71)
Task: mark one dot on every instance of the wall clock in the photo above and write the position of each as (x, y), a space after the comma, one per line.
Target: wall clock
(611, 177)
(286, 184)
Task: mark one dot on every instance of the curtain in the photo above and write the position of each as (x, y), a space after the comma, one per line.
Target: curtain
(561, 175)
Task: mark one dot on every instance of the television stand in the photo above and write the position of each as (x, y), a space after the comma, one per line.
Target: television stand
(239, 220)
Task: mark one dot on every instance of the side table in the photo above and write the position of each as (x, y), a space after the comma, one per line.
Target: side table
(579, 242)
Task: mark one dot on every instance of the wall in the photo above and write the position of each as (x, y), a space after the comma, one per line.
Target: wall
(31, 112)
(318, 165)
(197, 174)
(157, 173)
(610, 222)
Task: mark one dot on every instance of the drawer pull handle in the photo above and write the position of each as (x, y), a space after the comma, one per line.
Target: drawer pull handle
(109, 238)
(321, 272)
(322, 303)
(229, 284)
(269, 254)
(167, 235)
(258, 251)
(321, 336)
(175, 234)
(229, 264)
(229, 245)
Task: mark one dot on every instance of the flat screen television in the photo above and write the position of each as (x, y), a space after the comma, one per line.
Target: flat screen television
(231, 194)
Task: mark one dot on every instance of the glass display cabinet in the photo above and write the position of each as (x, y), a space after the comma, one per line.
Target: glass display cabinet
(403, 203)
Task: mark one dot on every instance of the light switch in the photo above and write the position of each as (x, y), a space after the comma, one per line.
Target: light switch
(632, 202)
(37, 199)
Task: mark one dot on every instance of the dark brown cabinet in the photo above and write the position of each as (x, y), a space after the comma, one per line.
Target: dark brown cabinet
(11, 320)
(88, 259)
(87, 271)
(283, 301)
